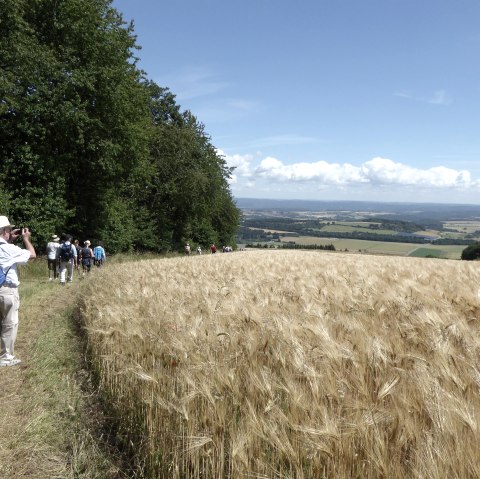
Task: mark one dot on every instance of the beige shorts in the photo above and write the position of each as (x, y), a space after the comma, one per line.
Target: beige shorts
(9, 305)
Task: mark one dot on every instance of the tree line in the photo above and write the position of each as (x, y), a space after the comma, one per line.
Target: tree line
(90, 146)
(291, 245)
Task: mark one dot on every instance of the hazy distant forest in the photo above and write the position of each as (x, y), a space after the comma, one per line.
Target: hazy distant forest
(90, 146)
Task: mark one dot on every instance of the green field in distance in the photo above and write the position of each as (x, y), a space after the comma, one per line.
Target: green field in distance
(382, 247)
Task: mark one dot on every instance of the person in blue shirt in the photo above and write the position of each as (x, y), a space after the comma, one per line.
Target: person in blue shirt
(99, 256)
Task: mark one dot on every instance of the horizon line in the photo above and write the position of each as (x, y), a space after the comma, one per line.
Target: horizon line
(354, 201)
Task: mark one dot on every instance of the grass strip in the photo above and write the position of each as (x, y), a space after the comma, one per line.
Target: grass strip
(54, 426)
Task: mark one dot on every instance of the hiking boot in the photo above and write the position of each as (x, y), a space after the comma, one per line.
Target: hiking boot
(9, 361)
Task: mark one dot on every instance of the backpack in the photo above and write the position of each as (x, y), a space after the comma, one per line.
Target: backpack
(66, 253)
(3, 275)
(86, 254)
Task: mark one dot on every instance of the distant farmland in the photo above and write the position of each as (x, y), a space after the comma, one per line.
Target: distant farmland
(392, 230)
(382, 247)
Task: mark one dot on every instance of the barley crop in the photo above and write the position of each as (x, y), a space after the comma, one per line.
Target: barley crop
(288, 364)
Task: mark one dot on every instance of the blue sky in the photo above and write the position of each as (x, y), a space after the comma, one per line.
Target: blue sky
(326, 99)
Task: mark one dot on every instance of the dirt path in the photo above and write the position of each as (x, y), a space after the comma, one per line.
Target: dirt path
(23, 453)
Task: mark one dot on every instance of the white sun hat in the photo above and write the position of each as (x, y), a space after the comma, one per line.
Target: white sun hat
(4, 222)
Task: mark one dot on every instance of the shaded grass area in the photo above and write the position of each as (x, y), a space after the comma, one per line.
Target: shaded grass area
(52, 426)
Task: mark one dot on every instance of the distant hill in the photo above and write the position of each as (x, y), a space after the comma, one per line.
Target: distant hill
(408, 211)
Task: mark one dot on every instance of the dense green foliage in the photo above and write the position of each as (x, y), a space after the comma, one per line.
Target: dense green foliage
(395, 225)
(471, 252)
(89, 146)
(451, 241)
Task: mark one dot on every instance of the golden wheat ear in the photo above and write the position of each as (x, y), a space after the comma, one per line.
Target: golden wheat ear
(316, 365)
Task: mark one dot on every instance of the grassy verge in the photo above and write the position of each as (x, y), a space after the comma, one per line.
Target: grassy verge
(52, 424)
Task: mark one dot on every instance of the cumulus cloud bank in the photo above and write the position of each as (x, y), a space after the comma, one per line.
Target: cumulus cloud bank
(241, 163)
(320, 172)
(375, 172)
(381, 171)
(378, 171)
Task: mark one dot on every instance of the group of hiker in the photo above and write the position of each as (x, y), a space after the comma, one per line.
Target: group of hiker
(213, 249)
(65, 256)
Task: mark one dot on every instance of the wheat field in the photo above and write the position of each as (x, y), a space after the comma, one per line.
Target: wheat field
(290, 364)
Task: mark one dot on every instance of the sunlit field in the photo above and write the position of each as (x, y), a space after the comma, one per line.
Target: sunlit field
(288, 364)
(463, 226)
(380, 247)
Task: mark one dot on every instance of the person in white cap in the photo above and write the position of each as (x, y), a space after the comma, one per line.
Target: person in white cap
(53, 257)
(10, 256)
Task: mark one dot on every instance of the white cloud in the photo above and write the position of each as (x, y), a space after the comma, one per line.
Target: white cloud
(375, 172)
(382, 171)
(269, 175)
(241, 163)
(438, 97)
(320, 172)
(404, 94)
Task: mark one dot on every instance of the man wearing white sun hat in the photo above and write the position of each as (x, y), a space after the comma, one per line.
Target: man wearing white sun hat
(53, 257)
(10, 256)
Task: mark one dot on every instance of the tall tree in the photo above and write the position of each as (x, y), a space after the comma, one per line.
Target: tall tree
(28, 75)
(190, 185)
(74, 111)
(89, 146)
